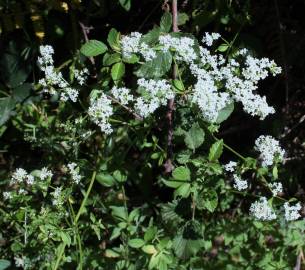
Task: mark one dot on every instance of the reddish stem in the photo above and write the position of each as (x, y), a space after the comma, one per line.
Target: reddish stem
(171, 103)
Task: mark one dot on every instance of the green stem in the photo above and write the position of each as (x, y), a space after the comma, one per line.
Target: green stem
(80, 211)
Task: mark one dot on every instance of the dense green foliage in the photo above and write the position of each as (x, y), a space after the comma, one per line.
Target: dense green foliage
(130, 209)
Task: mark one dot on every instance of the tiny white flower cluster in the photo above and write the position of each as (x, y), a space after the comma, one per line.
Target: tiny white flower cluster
(57, 197)
(132, 44)
(74, 171)
(292, 212)
(21, 176)
(154, 93)
(230, 167)
(239, 184)
(276, 188)
(261, 210)
(81, 75)
(209, 38)
(269, 148)
(100, 111)
(183, 47)
(122, 95)
(54, 78)
(45, 174)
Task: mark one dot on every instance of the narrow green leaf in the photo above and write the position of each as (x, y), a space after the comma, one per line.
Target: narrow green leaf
(216, 150)
(149, 249)
(105, 179)
(222, 47)
(93, 48)
(117, 71)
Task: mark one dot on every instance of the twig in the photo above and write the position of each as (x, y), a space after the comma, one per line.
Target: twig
(171, 103)
(138, 117)
(298, 262)
(86, 30)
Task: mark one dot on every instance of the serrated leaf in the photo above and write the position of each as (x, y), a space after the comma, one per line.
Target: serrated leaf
(136, 242)
(181, 173)
(93, 48)
(182, 18)
(110, 59)
(119, 212)
(194, 137)
(172, 183)
(150, 233)
(117, 71)
(166, 22)
(184, 190)
(113, 39)
(216, 150)
(225, 113)
(7, 106)
(156, 67)
(210, 200)
(152, 36)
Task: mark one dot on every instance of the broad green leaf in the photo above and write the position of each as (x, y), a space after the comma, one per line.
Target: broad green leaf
(126, 4)
(15, 68)
(150, 233)
(210, 200)
(166, 22)
(119, 212)
(178, 85)
(181, 173)
(156, 67)
(114, 39)
(225, 113)
(119, 176)
(184, 190)
(136, 243)
(4, 264)
(149, 249)
(7, 106)
(20, 93)
(216, 150)
(93, 48)
(110, 59)
(152, 36)
(182, 18)
(117, 71)
(132, 59)
(105, 179)
(194, 137)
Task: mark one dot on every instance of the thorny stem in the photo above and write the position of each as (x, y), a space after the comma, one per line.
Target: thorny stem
(171, 103)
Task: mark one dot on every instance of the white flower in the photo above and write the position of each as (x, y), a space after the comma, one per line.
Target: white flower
(230, 167)
(209, 38)
(81, 75)
(147, 53)
(239, 184)
(69, 93)
(46, 53)
(292, 212)
(183, 47)
(22, 191)
(154, 93)
(100, 111)
(261, 210)
(76, 177)
(130, 44)
(276, 188)
(57, 195)
(122, 95)
(19, 175)
(269, 148)
(30, 180)
(45, 173)
(20, 261)
(7, 195)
